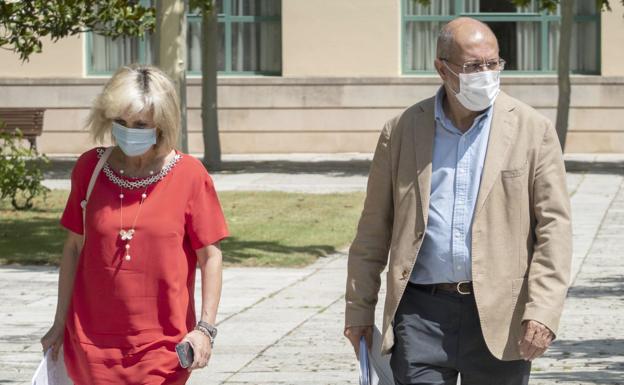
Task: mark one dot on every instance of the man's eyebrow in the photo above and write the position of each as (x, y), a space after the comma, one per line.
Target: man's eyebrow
(481, 59)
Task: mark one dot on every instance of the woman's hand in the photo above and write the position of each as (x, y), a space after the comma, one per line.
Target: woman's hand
(201, 349)
(53, 339)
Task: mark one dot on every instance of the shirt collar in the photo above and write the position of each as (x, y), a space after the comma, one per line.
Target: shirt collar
(446, 123)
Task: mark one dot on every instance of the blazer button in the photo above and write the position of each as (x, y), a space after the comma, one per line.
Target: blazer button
(420, 235)
(405, 274)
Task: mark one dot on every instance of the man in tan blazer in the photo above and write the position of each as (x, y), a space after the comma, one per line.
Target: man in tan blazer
(467, 205)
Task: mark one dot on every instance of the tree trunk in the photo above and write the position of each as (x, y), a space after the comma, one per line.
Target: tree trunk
(210, 122)
(170, 53)
(563, 70)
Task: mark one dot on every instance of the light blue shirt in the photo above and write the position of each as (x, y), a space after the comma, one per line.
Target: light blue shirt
(457, 164)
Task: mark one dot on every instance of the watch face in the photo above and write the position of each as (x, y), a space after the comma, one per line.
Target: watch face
(211, 329)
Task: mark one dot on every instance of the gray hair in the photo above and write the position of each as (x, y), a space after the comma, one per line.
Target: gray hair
(445, 42)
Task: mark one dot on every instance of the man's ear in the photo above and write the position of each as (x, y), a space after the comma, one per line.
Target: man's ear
(440, 68)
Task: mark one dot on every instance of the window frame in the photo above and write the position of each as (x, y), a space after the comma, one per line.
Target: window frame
(226, 18)
(543, 17)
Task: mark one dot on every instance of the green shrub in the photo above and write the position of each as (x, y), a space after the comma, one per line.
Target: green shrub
(20, 171)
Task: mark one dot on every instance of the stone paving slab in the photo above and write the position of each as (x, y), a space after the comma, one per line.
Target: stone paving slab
(590, 345)
(590, 201)
(315, 183)
(28, 296)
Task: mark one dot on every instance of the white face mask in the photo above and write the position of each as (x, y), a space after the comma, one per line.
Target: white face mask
(134, 141)
(477, 91)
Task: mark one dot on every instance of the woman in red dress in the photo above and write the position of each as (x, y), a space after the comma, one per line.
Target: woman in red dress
(126, 292)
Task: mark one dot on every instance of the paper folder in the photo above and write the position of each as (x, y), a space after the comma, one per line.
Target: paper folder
(374, 368)
(51, 372)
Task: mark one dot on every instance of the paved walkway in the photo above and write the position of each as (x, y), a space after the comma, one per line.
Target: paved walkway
(284, 326)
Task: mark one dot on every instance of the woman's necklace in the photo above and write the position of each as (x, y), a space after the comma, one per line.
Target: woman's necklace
(127, 235)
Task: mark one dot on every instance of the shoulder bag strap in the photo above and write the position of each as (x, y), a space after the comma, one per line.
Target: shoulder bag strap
(96, 172)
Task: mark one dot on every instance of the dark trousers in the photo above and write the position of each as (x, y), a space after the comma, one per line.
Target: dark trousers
(438, 337)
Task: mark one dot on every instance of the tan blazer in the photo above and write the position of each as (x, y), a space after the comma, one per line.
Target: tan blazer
(521, 233)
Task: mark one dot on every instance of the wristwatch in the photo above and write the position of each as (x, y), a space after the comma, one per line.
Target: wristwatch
(209, 330)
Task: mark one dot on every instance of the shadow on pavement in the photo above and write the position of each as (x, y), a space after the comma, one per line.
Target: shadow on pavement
(611, 286)
(61, 168)
(598, 353)
(238, 251)
(595, 167)
(338, 168)
(602, 377)
(42, 244)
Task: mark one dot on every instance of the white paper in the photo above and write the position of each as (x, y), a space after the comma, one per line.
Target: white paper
(51, 372)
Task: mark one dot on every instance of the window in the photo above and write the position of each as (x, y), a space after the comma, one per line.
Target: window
(249, 36)
(528, 38)
(105, 55)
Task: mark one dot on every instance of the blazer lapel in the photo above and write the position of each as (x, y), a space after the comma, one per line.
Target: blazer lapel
(424, 132)
(502, 133)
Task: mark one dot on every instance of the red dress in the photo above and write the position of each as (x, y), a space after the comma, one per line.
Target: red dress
(126, 317)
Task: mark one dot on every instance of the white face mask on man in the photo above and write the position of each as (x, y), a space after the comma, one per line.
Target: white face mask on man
(478, 90)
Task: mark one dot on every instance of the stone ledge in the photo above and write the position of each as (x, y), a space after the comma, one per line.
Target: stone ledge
(325, 81)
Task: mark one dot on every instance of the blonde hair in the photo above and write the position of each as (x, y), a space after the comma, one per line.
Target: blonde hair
(135, 88)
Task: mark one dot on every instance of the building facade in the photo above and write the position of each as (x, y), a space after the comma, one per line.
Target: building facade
(323, 76)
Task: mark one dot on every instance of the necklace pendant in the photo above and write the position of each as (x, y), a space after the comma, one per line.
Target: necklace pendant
(126, 235)
(127, 257)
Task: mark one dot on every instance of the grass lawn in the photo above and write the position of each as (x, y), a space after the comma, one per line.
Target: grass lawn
(267, 228)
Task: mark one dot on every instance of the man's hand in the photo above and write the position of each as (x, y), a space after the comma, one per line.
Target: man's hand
(354, 333)
(536, 339)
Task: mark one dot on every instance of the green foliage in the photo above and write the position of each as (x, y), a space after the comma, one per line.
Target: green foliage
(604, 4)
(20, 171)
(201, 6)
(551, 5)
(544, 5)
(25, 23)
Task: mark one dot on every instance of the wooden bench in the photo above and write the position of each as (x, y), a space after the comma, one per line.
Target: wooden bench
(28, 120)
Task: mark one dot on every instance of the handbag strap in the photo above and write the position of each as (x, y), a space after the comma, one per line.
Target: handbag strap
(94, 175)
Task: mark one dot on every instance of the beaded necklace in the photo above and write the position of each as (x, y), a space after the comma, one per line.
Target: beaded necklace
(126, 235)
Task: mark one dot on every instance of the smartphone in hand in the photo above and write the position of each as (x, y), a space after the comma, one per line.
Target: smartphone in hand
(185, 354)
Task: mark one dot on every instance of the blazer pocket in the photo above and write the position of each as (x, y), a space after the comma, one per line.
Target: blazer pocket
(516, 172)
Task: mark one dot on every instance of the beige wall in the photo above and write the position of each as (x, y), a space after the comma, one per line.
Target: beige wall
(63, 59)
(341, 37)
(612, 35)
(320, 115)
(341, 66)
